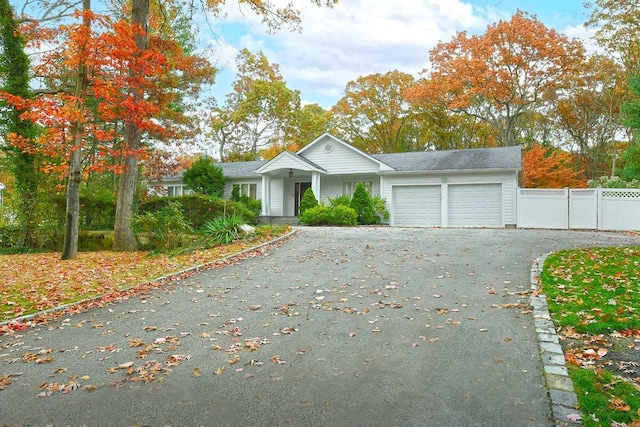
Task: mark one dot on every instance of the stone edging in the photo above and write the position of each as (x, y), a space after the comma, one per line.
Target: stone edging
(564, 401)
(206, 265)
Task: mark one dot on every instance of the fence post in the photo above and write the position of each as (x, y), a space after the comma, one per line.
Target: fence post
(599, 207)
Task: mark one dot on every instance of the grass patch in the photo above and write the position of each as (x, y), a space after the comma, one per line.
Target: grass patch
(604, 398)
(37, 281)
(593, 296)
(594, 290)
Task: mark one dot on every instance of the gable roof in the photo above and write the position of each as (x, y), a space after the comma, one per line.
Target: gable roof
(321, 138)
(470, 159)
(287, 160)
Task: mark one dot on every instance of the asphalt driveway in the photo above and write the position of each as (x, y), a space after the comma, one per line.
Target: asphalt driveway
(337, 327)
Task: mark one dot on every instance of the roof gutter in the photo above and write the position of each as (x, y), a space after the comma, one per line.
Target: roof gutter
(447, 171)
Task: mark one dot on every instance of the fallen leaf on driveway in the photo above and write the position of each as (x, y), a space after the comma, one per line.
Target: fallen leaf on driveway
(278, 360)
(5, 381)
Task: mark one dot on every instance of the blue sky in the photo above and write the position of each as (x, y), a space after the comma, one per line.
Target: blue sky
(360, 37)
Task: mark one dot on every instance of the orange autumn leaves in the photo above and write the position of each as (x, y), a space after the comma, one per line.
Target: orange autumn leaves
(108, 51)
(34, 282)
(550, 167)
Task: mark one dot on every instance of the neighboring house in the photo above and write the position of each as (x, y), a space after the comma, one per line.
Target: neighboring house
(467, 188)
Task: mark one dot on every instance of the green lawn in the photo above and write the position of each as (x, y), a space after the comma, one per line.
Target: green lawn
(594, 298)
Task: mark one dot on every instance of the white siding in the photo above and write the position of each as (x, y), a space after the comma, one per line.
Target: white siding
(277, 202)
(341, 159)
(509, 199)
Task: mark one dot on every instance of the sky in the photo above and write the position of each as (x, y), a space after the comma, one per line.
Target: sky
(360, 37)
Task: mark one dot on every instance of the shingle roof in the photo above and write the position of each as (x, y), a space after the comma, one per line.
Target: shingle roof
(241, 169)
(478, 158)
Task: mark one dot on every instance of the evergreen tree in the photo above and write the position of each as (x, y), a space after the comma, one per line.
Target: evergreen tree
(363, 205)
(14, 79)
(204, 177)
(308, 201)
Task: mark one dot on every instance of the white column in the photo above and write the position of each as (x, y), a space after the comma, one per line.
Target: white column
(315, 184)
(266, 196)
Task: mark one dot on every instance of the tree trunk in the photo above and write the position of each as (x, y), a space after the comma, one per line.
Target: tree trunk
(74, 179)
(124, 239)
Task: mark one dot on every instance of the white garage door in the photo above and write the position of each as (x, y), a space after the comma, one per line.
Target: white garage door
(475, 205)
(416, 206)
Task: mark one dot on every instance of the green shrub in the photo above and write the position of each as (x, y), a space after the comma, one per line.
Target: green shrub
(317, 215)
(329, 215)
(308, 201)
(613, 182)
(340, 200)
(199, 209)
(342, 215)
(362, 204)
(380, 207)
(166, 226)
(224, 230)
(235, 194)
(97, 209)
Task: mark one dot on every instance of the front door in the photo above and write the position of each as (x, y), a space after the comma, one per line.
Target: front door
(300, 188)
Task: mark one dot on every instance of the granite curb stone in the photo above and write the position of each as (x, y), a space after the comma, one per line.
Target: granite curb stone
(564, 402)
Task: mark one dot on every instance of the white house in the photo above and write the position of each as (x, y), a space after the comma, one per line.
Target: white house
(461, 188)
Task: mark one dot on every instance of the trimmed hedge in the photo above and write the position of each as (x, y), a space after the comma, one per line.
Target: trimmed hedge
(329, 215)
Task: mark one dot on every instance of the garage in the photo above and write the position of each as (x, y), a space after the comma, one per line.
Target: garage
(475, 205)
(416, 206)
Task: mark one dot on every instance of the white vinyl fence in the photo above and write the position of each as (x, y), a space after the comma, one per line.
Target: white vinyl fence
(589, 208)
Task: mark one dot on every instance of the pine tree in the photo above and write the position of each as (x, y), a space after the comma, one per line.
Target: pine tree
(308, 201)
(362, 204)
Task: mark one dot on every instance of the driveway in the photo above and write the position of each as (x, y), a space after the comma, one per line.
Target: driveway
(337, 327)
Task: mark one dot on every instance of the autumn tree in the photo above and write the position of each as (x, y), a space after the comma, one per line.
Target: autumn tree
(15, 80)
(447, 130)
(500, 75)
(631, 118)
(616, 23)
(273, 17)
(82, 124)
(304, 126)
(375, 117)
(258, 111)
(550, 167)
(588, 111)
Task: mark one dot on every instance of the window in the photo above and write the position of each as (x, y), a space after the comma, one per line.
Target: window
(348, 187)
(248, 190)
(177, 190)
(174, 190)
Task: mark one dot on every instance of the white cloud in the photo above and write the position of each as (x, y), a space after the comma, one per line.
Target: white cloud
(352, 39)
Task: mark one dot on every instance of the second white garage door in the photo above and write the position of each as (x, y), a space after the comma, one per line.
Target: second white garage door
(416, 206)
(475, 205)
